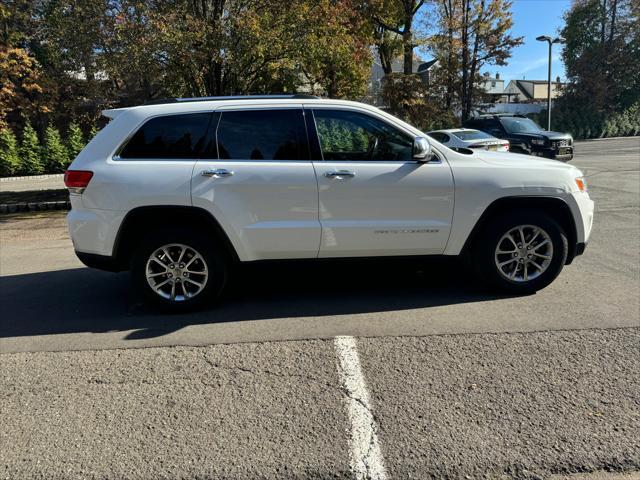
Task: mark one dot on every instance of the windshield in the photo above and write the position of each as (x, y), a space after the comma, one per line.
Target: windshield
(520, 125)
(472, 135)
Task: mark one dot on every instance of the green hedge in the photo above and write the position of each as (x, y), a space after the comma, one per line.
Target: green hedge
(583, 122)
(28, 154)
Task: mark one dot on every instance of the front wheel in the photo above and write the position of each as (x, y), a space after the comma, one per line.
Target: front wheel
(521, 252)
(178, 270)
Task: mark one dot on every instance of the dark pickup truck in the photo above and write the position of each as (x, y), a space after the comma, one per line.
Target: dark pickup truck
(525, 135)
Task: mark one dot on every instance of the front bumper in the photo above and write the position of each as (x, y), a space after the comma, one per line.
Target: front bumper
(563, 153)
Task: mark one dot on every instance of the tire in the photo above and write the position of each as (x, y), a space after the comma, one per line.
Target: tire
(194, 282)
(520, 149)
(506, 271)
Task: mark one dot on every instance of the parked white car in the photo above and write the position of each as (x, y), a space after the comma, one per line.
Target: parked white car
(181, 191)
(469, 138)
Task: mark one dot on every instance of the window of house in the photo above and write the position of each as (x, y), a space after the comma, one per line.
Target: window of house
(347, 135)
(262, 135)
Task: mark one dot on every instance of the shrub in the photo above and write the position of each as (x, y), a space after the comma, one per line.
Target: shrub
(54, 151)
(584, 122)
(75, 141)
(9, 158)
(30, 154)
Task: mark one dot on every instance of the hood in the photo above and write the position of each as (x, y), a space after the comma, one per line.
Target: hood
(542, 133)
(508, 159)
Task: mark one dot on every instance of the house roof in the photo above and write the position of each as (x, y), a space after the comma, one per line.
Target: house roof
(524, 90)
(427, 65)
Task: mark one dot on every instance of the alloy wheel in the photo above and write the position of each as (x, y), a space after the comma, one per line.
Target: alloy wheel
(176, 272)
(523, 253)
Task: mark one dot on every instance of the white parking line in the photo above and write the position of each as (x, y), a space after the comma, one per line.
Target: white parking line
(366, 458)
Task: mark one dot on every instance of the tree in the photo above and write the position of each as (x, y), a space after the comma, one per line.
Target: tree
(335, 58)
(30, 152)
(471, 34)
(220, 47)
(409, 98)
(20, 84)
(397, 16)
(54, 152)
(601, 53)
(75, 140)
(9, 159)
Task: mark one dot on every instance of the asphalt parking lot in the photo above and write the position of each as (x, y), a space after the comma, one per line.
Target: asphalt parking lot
(380, 370)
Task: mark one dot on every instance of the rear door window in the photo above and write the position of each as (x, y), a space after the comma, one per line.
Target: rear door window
(170, 137)
(262, 135)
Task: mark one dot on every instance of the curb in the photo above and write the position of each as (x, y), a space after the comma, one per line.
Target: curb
(606, 138)
(32, 177)
(6, 208)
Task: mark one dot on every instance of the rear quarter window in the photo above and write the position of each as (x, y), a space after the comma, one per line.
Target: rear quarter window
(182, 136)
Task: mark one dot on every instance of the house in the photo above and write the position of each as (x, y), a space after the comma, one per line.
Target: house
(422, 68)
(530, 91)
(494, 86)
(425, 70)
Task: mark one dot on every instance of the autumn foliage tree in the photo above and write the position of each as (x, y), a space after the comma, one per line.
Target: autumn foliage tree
(602, 53)
(21, 87)
(471, 34)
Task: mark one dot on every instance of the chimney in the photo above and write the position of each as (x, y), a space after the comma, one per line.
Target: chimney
(557, 79)
(498, 76)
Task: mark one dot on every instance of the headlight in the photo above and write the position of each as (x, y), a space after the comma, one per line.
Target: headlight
(581, 182)
(537, 141)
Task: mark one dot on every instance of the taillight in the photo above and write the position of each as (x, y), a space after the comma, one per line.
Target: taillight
(506, 146)
(77, 180)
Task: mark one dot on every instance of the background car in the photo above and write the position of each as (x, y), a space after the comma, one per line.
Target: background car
(525, 135)
(469, 138)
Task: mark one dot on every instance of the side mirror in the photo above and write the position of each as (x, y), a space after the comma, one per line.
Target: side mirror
(422, 149)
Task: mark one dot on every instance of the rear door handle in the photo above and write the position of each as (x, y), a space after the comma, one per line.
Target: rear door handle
(217, 173)
(340, 174)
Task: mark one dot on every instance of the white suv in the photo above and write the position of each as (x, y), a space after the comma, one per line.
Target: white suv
(179, 191)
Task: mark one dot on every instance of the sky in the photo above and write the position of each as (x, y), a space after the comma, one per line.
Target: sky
(532, 18)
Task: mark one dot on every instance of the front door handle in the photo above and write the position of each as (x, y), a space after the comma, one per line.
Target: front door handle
(217, 173)
(340, 174)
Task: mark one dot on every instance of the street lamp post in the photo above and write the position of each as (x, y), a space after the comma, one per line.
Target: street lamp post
(550, 41)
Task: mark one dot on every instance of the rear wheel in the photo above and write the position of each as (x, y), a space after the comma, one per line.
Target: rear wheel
(179, 270)
(520, 252)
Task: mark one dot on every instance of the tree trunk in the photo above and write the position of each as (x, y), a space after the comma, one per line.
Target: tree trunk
(449, 16)
(465, 58)
(473, 70)
(385, 53)
(612, 28)
(407, 46)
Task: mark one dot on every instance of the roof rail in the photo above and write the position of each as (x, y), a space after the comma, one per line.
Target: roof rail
(498, 115)
(161, 101)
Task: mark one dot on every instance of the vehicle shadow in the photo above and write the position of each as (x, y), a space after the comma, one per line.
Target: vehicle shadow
(86, 300)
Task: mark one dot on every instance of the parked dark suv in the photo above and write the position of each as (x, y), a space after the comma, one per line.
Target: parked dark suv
(525, 135)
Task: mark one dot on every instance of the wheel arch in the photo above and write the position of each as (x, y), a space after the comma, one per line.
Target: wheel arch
(555, 207)
(143, 219)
